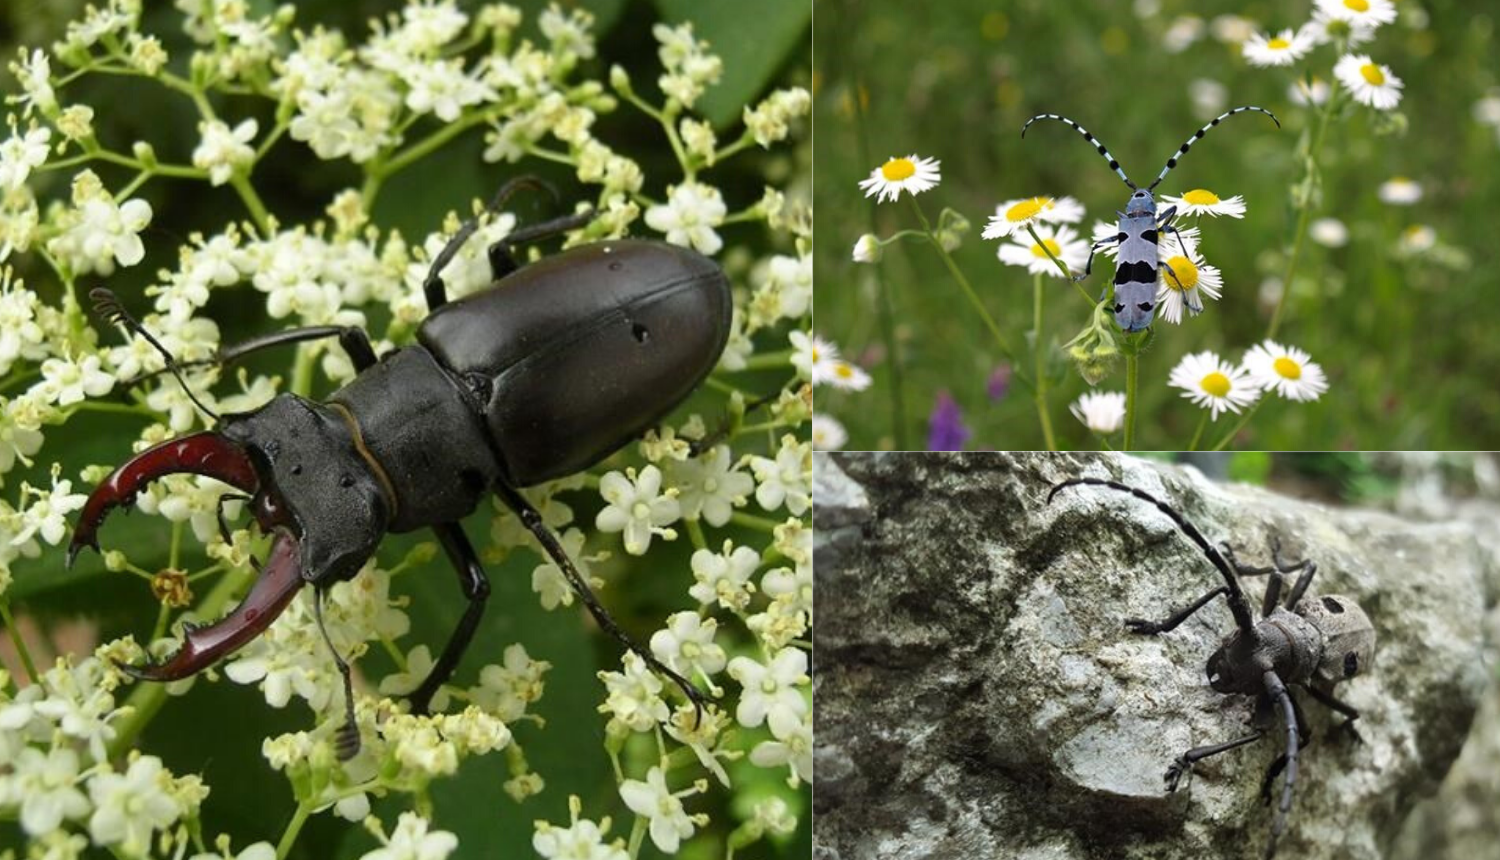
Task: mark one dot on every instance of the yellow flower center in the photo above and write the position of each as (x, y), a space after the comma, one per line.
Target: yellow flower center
(843, 370)
(898, 169)
(815, 355)
(1200, 197)
(1186, 272)
(1216, 384)
(1279, 44)
(1358, 5)
(1052, 246)
(1287, 368)
(1372, 73)
(1027, 209)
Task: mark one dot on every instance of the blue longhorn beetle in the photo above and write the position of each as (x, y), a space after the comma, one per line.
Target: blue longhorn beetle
(1138, 265)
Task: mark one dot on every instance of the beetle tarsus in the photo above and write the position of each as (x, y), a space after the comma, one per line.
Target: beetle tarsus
(1176, 771)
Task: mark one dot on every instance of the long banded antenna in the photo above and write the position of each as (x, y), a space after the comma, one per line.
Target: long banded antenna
(1094, 141)
(1182, 150)
(107, 306)
(1236, 595)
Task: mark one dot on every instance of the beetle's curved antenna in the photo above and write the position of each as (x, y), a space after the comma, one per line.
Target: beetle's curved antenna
(1278, 693)
(1096, 142)
(1236, 596)
(1182, 150)
(107, 306)
(346, 740)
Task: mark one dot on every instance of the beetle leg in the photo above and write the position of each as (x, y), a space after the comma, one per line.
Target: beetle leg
(346, 741)
(1334, 703)
(1088, 266)
(1278, 693)
(1184, 763)
(532, 519)
(354, 341)
(477, 589)
(1308, 568)
(503, 262)
(1139, 625)
(205, 453)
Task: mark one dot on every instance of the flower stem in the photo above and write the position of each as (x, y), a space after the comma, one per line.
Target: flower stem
(252, 201)
(1039, 350)
(1198, 434)
(963, 282)
(1239, 425)
(17, 641)
(1132, 378)
(293, 827)
(1063, 267)
(887, 315)
(1306, 215)
(751, 521)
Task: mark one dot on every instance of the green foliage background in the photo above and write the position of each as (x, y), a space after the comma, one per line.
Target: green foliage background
(217, 729)
(1410, 348)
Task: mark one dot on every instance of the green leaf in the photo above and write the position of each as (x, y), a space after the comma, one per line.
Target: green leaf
(753, 45)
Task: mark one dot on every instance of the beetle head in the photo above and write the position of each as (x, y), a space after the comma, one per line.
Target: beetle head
(1236, 666)
(1140, 203)
(310, 488)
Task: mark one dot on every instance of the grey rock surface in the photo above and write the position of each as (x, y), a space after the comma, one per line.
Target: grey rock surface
(978, 696)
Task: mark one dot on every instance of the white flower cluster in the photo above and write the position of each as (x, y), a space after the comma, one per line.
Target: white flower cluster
(1348, 24)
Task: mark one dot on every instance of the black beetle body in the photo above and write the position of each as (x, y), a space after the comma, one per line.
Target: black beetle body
(552, 368)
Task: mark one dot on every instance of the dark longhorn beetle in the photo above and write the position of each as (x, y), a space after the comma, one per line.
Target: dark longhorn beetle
(551, 369)
(1312, 644)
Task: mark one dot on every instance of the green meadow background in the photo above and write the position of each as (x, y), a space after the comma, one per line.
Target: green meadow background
(1411, 346)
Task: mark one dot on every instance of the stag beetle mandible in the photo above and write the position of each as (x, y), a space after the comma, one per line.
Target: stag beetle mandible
(1312, 644)
(554, 367)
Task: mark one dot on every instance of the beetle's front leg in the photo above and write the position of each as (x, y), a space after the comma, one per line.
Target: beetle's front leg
(1184, 763)
(1088, 266)
(1144, 627)
(476, 588)
(1348, 710)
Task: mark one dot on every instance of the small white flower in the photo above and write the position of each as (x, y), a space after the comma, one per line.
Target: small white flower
(638, 507)
(689, 216)
(1101, 411)
(867, 249)
(104, 234)
(793, 750)
(813, 356)
(583, 840)
(258, 851)
(69, 380)
(43, 784)
(547, 578)
(1231, 29)
(223, 151)
(787, 479)
(1325, 28)
(1064, 244)
(1286, 370)
(710, 486)
(1182, 33)
(1183, 278)
(1400, 191)
(34, 74)
(1282, 49)
(1201, 201)
(670, 823)
(1013, 215)
(1303, 93)
(419, 665)
(827, 433)
(912, 174)
(1329, 232)
(20, 154)
(1210, 382)
(1371, 83)
(443, 89)
(843, 374)
(129, 807)
(634, 696)
(47, 516)
(411, 841)
(507, 688)
(771, 693)
(1367, 13)
(1416, 239)
(686, 645)
(724, 577)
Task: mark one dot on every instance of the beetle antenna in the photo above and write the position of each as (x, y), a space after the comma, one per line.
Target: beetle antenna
(1236, 595)
(507, 191)
(1088, 136)
(1188, 144)
(346, 740)
(1279, 694)
(107, 306)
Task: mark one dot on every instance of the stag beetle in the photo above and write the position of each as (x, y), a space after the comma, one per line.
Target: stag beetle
(552, 368)
(1311, 644)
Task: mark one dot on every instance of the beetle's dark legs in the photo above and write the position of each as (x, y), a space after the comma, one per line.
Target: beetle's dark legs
(1307, 567)
(503, 261)
(532, 519)
(1184, 763)
(1279, 694)
(1348, 710)
(346, 741)
(1305, 739)
(1139, 625)
(1088, 266)
(354, 341)
(477, 588)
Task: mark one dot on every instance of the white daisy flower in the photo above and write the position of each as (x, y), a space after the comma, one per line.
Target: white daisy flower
(1187, 282)
(1487, 109)
(1101, 411)
(1329, 232)
(1282, 49)
(1400, 191)
(828, 434)
(1212, 383)
(1231, 29)
(1286, 370)
(1366, 13)
(912, 174)
(1182, 33)
(1416, 239)
(1303, 93)
(1325, 28)
(1014, 215)
(1201, 201)
(844, 374)
(1064, 244)
(813, 356)
(1370, 82)
(1165, 239)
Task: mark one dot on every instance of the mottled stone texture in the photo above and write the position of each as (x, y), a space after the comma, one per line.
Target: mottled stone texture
(978, 696)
